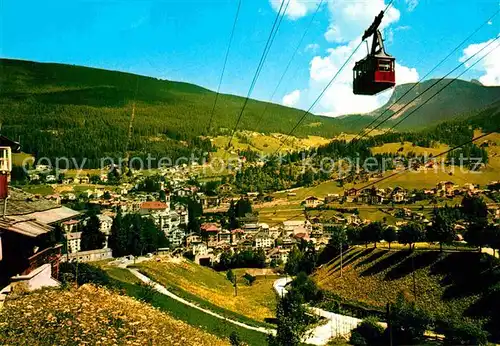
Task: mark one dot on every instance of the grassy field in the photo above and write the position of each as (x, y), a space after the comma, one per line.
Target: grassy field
(19, 158)
(374, 214)
(252, 305)
(39, 189)
(92, 315)
(447, 284)
(321, 190)
(194, 317)
(275, 216)
(408, 147)
(265, 143)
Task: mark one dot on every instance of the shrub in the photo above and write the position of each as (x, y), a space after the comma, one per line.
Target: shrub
(250, 279)
(146, 293)
(465, 333)
(409, 322)
(83, 273)
(234, 339)
(307, 288)
(368, 332)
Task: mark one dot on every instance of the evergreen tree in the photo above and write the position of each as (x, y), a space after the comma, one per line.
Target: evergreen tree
(493, 236)
(118, 237)
(92, 238)
(292, 321)
(292, 265)
(477, 233)
(474, 207)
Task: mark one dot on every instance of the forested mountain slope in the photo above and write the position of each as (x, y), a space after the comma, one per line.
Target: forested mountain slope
(459, 99)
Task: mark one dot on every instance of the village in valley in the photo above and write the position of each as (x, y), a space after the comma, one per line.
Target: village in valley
(177, 216)
(250, 173)
(260, 220)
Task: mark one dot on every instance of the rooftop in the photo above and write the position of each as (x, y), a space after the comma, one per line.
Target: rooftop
(74, 235)
(54, 215)
(154, 205)
(24, 225)
(21, 203)
(71, 222)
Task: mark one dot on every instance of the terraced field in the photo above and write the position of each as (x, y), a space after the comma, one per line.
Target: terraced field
(446, 284)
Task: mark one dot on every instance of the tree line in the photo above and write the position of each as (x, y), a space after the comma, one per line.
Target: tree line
(133, 234)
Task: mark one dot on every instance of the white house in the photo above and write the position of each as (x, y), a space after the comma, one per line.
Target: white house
(106, 223)
(50, 178)
(199, 249)
(73, 241)
(176, 237)
(279, 255)
(312, 202)
(263, 241)
(297, 226)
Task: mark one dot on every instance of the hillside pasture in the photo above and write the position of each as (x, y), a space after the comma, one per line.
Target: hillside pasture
(199, 284)
(447, 284)
(408, 147)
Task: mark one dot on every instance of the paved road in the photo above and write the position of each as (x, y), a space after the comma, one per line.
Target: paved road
(337, 325)
(161, 289)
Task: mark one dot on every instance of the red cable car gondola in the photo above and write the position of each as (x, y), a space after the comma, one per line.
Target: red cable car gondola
(376, 72)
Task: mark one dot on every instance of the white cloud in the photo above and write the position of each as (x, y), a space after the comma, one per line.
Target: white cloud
(297, 8)
(411, 4)
(313, 47)
(489, 66)
(406, 74)
(348, 18)
(292, 98)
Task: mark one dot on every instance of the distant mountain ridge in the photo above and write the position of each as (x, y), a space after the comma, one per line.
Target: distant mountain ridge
(65, 110)
(459, 99)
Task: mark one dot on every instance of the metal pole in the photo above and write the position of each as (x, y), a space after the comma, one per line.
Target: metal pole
(341, 258)
(414, 279)
(389, 323)
(5, 206)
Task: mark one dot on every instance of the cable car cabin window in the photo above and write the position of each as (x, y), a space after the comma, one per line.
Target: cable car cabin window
(385, 65)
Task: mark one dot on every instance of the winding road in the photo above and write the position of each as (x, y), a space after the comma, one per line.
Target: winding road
(337, 325)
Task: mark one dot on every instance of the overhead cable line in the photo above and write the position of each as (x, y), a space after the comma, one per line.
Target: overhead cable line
(324, 90)
(435, 83)
(270, 39)
(290, 61)
(449, 150)
(449, 83)
(363, 132)
(224, 65)
(435, 156)
(317, 99)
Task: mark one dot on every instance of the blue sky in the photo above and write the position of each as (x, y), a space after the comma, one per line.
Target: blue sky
(186, 41)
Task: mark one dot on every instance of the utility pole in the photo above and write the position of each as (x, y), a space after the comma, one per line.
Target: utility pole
(235, 284)
(389, 323)
(341, 258)
(414, 279)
